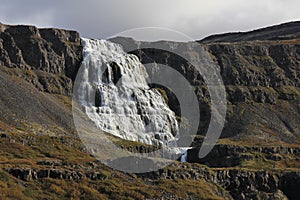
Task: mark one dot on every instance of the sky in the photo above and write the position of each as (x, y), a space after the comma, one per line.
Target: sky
(194, 18)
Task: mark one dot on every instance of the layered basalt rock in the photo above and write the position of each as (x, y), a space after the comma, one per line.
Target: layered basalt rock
(48, 58)
(260, 71)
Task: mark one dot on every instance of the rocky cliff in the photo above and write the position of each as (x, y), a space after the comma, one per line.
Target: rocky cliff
(261, 75)
(32, 61)
(257, 157)
(48, 58)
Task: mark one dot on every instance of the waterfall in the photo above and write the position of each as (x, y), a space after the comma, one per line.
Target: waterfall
(184, 156)
(116, 97)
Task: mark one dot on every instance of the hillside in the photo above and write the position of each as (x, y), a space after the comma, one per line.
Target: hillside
(261, 79)
(257, 156)
(286, 31)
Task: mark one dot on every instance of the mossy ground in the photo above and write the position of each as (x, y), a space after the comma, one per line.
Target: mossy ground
(25, 150)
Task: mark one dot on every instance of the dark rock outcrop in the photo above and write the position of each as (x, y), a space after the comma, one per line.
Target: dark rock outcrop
(260, 73)
(34, 174)
(47, 58)
(232, 155)
(241, 184)
(255, 64)
(250, 185)
(289, 184)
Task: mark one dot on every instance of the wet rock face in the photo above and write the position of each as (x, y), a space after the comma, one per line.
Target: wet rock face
(53, 56)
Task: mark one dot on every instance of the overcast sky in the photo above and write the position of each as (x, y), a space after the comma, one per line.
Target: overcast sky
(195, 18)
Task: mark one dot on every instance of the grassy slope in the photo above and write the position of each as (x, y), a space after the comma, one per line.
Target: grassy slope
(36, 126)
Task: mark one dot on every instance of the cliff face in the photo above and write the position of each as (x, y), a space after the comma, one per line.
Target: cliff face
(241, 184)
(258, 156)
(50, 58)
(262, 80)
(258, 63)
(261, 73)
(32, 61)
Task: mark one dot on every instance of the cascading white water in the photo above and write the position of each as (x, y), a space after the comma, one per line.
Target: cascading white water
(184, 156)
(117, 98)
